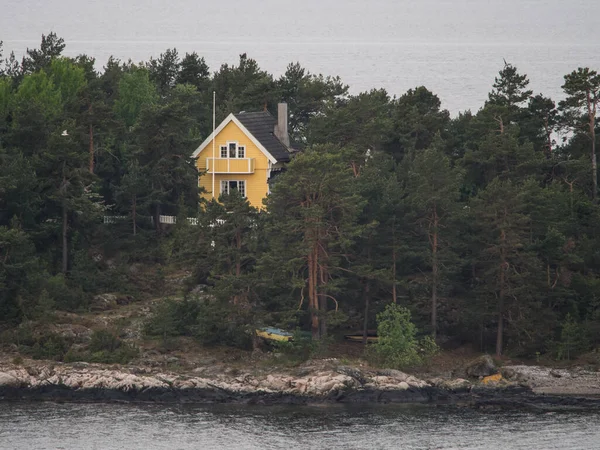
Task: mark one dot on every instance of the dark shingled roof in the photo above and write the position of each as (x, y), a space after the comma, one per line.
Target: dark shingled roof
(262, 125)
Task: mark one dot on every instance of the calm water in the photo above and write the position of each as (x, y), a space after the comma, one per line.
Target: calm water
(454, 47)
(79, 427)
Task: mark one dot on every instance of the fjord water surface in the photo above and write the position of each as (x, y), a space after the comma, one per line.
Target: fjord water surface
(108, 426)
(453, 47)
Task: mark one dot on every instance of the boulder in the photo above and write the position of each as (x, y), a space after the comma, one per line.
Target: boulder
(103, 302)
(403, 386)
(124, 300)
(7, 380)
(456, 384)
(508, 373)
(393, 373)
(352, 372)
(481, 367)
(276, 383)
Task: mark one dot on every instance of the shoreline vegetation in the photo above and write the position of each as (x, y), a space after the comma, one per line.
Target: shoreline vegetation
(450, 237)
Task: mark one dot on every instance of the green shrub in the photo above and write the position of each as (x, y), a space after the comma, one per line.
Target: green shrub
(299, 349)
(573, 339)
(211, 323)
(219, 324)
(92, 277)
(106, 348)
(104, 340)
(48, 346)
(38, 307)
(397, 345)
(65, 297)
(173, 318)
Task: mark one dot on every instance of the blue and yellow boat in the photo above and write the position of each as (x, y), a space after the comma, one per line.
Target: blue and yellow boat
(274, 334)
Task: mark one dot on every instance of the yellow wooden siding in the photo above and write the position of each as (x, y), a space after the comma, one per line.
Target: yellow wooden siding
(256, 182)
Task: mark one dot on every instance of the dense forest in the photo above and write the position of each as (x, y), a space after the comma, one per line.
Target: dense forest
(486, 226)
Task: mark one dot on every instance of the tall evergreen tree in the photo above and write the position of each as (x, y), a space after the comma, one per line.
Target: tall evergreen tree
(51, 47)
(433, 187)
(317, 210)
(580, 108)
(505, 265)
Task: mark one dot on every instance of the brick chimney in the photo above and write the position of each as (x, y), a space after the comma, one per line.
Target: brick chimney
(281, 128)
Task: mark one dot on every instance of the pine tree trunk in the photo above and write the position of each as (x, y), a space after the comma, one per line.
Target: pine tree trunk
(65, 244)
(548, 151)
(394, 290)
(434, 268)
(91, 151)
(157, 218)
(237, 299)
(322, 305)
(500, 331)
(367, 296)
(134, 212)
(591, 107)
(312, 297)
(594, 165)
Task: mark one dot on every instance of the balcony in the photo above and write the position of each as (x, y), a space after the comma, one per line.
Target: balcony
(230, 165)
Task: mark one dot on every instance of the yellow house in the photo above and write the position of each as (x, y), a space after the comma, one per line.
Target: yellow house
(243, 153)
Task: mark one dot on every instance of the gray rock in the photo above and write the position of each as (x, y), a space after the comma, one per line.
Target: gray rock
(8, 380)
(80, 365)
(456, 384)
(398, 375)
(125, 300)
(198, 289)
(352, 372)
(481, 367)
(103, 302)
(508, 373)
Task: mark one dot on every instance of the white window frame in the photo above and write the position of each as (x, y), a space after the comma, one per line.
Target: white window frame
(238, 153)
(226, 186)
(229, 149)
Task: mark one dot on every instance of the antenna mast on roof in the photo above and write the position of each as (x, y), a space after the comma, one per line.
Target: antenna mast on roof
(213, 144)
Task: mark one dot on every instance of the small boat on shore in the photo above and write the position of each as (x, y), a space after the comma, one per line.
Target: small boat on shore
(358, 336)
(274, 334)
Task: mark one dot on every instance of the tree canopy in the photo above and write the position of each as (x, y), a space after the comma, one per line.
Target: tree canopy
(483, 228)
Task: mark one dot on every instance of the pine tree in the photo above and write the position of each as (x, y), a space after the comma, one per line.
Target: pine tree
(317, 209)
(505, 269)
(51, 47)
(580, 108)
(433, 188)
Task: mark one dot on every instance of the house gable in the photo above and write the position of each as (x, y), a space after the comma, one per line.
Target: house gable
(229, 119)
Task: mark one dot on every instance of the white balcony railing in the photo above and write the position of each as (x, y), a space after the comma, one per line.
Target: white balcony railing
(230, 165)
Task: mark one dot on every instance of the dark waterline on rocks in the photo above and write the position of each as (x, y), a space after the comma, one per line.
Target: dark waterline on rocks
(103, 426)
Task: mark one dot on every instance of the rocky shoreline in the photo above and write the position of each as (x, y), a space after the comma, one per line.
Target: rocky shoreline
(322, 382)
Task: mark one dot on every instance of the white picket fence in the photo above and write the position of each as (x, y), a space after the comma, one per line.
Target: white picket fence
(114, 219)
(169, 220)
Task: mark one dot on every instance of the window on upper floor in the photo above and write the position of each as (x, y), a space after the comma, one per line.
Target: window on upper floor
(233, 150)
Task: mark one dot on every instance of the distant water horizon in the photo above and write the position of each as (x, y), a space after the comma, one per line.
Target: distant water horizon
(454, 48)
